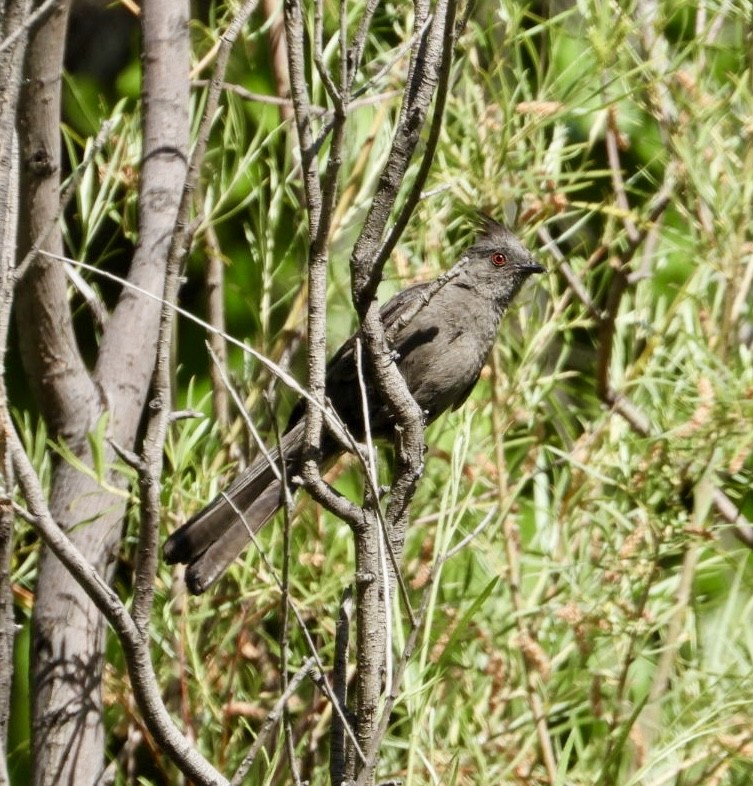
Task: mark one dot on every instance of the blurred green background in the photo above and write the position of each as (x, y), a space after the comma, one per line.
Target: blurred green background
(633, 623)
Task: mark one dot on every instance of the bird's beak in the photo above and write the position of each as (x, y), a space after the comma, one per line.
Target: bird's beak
(532, 266)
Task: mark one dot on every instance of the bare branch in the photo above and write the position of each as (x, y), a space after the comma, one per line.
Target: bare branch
(29, 21)
(340, 763)
(215, 280)
(294, 32)
(355, 54)
(366, 263)
(135, 646)
(271, 721)
(414, 195)
(323, 682)
(329, 83)
(287, 103)
(7, 621)
(12, 22)
(58, 375)
(618, 186)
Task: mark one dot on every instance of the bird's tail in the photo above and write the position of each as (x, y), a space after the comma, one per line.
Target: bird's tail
(211, 539)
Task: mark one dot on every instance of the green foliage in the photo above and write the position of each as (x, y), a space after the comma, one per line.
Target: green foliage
(633, 627)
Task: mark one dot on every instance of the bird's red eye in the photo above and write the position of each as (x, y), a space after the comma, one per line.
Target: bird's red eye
(499, 259)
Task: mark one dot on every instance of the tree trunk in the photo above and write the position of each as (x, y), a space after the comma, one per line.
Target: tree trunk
(12, 17)
(68, 631)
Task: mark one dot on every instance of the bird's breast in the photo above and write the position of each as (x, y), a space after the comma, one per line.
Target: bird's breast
(441, 360)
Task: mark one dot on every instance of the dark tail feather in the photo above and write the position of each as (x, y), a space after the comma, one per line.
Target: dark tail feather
(210, 540)
(205, 569)
(211, 523)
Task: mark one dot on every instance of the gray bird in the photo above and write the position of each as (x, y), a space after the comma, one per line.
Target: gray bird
(441, 333)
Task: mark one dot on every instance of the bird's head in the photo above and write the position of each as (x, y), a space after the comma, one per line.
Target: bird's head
(497, 263)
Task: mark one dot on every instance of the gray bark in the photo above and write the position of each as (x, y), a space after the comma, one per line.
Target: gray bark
(431, 56)
(68, 631)
(12, 18)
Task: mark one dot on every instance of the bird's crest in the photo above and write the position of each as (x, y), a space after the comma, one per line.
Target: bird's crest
(487, 229)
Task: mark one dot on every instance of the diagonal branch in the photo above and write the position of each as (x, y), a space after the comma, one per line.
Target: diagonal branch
(406, 211)
(135, 646)
(430, 58)
(28, 21)
(270, 721)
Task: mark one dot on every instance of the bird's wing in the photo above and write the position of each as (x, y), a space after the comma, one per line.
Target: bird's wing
(390, 312)
(341, 369)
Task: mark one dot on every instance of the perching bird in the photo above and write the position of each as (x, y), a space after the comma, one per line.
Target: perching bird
(440, 352)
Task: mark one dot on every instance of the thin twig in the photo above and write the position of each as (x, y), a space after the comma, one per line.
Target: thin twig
(230, 388)
(259, 98)
(270, 721)
(317, 276)
(612, 136)
(319, 202)
(287, 103)
(511, 538)
(329, 84)
(355, 54)
(477, 530)
(36, 16)
(215, 280)
(92, 299)
(304, 629)
(284, 622)
(442, 92)
(742, 528)
(213, 98)
(420, 302)
(295, 37)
